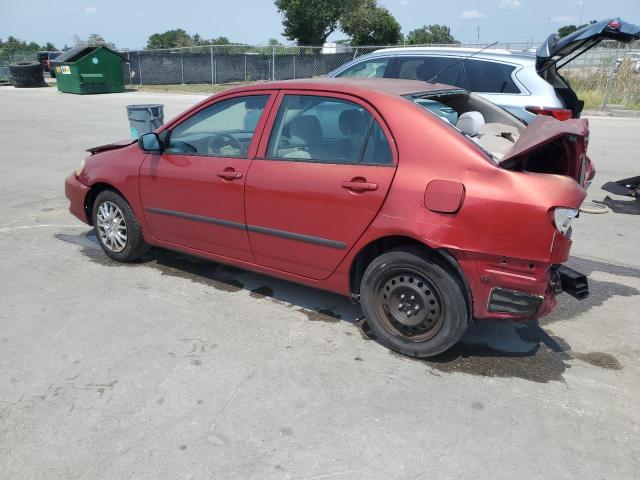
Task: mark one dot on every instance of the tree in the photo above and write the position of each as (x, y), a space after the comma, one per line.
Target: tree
(310, 22)
(569, 29)
(49, 47)
(369, 24)
(97, 40)
(431, 34)
(170, 39)
(274, 42)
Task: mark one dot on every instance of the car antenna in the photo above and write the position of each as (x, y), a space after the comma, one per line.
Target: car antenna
(431, 80)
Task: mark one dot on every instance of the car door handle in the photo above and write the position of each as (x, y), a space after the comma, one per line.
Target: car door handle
(360, 186)
(229, 174)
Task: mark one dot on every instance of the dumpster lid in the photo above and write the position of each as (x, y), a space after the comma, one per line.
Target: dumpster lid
(76, 53)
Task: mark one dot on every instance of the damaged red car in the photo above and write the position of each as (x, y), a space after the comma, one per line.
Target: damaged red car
(427, 204)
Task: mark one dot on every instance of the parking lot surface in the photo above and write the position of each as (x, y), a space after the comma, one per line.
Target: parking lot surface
(186, 369)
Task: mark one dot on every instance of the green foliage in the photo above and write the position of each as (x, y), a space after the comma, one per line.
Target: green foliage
(180, 38)
(368, 24)
(310, 22)
(12, 45)
(49, 47)
(431, 34)
(569, 29)
(97, 40)
(170, 39)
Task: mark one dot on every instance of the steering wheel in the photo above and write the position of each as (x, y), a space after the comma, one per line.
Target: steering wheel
(219, 140)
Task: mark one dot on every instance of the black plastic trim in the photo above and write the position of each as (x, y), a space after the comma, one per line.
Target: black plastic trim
(252, 228)
(198, 218)
(298, 236)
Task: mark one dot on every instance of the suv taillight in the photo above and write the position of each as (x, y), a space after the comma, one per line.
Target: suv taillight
(557, 113)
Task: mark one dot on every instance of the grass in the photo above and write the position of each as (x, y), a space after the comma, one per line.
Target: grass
(599, 86)
(203, 88)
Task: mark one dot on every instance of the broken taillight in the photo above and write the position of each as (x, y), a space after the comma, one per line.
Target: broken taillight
(557, 113)
(562, 218)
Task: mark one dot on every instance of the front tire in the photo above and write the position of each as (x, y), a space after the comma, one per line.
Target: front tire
(117, 227)
(413, 305)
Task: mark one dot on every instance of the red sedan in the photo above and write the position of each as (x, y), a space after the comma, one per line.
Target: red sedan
(429, 205)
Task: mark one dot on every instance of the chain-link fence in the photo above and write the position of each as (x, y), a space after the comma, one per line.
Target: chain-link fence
(607, 77)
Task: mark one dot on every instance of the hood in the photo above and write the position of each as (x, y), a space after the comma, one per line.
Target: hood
(111, 146)
(552, 146)
(554, 48)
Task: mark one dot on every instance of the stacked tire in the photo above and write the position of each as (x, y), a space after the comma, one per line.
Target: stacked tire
(27, 75)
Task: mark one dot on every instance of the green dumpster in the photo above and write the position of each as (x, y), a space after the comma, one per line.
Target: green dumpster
(89, 69)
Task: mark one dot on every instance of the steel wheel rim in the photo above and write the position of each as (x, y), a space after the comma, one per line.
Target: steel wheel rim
(112, 227)
(409, 305)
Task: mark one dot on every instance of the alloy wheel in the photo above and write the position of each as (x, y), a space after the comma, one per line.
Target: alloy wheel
(112, 227)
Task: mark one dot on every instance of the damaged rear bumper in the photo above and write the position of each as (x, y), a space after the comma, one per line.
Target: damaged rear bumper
(514, 289)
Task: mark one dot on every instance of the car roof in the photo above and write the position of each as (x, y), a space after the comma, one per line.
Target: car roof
(488, 54)
(358, 86)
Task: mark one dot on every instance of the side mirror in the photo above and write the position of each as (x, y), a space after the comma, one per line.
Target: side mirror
(150, 143)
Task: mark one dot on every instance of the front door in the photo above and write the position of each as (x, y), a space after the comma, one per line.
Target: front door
(193, 193)
(324, 173)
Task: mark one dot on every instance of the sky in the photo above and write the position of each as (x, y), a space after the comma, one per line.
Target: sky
(128, 23)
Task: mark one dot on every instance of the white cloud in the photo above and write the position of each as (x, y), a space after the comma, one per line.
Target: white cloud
(563, 19)
(472, 15)
(90, 10)
(509, 4)
(405, 3)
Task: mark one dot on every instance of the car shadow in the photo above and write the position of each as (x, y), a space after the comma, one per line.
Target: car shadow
(497, 348)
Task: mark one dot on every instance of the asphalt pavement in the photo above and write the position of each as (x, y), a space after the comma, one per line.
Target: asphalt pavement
(186, 369)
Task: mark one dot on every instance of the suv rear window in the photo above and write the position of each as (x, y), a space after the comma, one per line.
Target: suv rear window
(490, 77)
(448, 70)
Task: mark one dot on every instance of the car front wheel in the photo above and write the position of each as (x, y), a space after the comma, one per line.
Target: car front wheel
(117, 227)
(413, 305)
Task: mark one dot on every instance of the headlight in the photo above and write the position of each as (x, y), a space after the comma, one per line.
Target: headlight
(562, 219)
(79, 169)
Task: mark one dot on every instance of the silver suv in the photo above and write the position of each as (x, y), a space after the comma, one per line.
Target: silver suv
(525, 84)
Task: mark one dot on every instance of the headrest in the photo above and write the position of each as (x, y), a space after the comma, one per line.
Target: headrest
(470, 122)
(352, 122)
(307, 128)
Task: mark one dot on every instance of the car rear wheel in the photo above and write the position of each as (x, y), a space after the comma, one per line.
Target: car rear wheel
(117, 227)
(413, 305)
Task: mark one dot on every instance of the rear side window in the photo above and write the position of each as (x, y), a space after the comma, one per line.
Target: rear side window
(368, 69)
(329, 130)
(490, 77)
(448, 70)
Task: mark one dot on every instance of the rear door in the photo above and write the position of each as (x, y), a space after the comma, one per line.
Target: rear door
(193, 193)
(319, 180)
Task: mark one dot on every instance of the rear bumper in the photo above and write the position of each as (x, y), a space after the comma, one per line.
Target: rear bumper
(76, 192)
(515, 289)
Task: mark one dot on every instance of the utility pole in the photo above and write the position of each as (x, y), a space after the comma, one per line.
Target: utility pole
(478, 33)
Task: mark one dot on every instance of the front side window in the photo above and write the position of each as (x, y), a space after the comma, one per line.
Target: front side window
(329, 130)
(224, 129)
(444, 69)
(367, 69)
(490, 77)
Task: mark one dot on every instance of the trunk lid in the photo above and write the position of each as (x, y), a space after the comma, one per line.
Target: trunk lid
(551, 146)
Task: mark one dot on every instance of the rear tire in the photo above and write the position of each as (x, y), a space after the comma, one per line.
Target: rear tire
(117, 227)
(412, 304)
